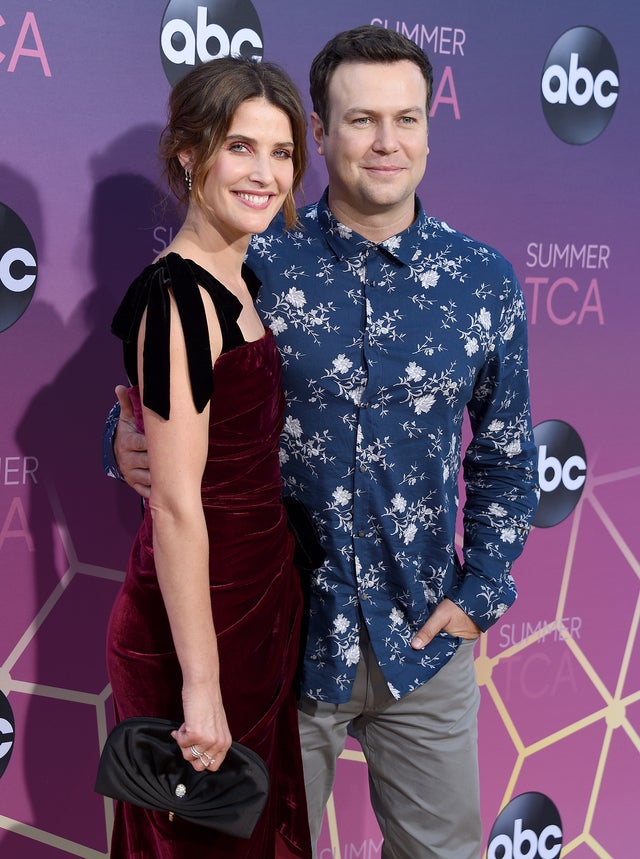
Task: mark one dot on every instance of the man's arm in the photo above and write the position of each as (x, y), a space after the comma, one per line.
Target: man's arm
(501, 480)
(500, 469)
(124, 449)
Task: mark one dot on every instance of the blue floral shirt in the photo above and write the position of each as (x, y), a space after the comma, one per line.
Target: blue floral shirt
(385, 346)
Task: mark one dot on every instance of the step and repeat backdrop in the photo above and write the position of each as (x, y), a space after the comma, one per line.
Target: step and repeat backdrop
(534, 150)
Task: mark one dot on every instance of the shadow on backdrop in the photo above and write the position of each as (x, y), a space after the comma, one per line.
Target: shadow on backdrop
(79, 519)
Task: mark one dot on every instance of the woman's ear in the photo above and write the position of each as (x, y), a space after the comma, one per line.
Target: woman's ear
(185, 159)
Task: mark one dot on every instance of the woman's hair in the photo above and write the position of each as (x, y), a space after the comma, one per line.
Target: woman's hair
(366, 44)
(201, 108)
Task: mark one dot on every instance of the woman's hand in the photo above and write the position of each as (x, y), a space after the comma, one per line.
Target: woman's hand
(204, 736)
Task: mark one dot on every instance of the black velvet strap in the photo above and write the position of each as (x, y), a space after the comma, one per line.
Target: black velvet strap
(151, 291)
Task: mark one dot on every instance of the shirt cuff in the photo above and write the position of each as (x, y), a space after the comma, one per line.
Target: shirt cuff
(482, 600)
(109, 462)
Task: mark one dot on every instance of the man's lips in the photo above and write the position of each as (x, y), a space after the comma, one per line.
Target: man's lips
(384, 169)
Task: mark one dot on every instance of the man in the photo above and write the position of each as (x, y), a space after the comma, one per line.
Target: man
(391, 325)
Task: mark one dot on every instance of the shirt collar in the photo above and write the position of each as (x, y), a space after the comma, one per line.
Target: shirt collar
(346, 243)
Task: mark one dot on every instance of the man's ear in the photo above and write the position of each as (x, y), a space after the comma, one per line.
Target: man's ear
(317, 130)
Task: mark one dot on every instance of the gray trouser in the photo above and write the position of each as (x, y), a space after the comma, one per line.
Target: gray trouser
(421, 753)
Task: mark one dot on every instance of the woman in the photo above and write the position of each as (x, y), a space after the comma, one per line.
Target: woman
(205, 629)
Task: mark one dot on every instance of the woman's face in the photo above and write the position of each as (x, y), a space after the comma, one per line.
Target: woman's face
(252, 171)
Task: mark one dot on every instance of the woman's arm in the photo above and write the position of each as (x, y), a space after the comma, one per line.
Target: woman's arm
(177, 450)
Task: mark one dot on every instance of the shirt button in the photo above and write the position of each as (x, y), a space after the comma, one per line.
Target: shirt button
(364, 597)
(360, 533)
(363, 468)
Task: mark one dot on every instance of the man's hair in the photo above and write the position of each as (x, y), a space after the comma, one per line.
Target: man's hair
(366, 44)
(201, 109)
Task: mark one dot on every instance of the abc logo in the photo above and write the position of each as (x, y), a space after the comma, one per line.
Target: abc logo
(580, 85)
(6, 733)
(528, 828)
(562, 471)
(18, 267)
(195, 32)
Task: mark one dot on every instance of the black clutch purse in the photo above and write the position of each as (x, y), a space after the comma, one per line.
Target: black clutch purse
(309, 554)
(142, 764)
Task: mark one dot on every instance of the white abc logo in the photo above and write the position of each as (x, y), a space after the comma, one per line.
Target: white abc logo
(571, 473)
(18, 267)
(579, 86)
(196, 45)
(562, 471)
(7, 279)
(6, 729)
(525, 844)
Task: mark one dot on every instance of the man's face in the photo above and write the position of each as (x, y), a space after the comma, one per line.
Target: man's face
(376, 144)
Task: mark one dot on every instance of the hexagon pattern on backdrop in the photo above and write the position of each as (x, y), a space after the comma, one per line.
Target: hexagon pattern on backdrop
(545, 696)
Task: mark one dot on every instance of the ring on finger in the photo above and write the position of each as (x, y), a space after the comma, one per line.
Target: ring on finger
(209, 760)
(196, 753)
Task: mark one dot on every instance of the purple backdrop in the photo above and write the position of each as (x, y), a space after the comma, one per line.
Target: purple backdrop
(83, 95)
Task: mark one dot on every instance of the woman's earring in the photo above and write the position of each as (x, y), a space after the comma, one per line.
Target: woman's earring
(187, 178)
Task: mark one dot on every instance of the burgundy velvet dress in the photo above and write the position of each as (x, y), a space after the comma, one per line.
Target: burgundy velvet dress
(255, 592)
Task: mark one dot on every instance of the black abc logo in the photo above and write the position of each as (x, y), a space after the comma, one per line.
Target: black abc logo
(7, 732)
(580, 85)
(529, 827)
(18, 267)
(195, 32)
(562, 471)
